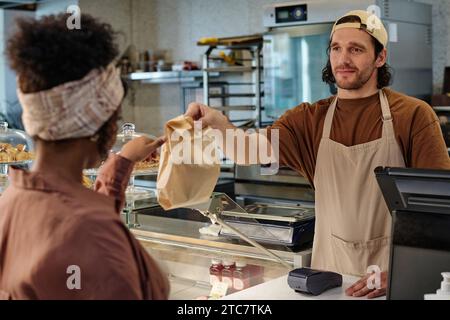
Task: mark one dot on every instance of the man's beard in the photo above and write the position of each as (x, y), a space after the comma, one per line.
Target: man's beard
(358, 83)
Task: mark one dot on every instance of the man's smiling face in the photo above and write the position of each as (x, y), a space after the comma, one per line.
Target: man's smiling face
(352, 57)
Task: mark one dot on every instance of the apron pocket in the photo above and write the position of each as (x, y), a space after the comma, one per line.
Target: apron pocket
(353, 258)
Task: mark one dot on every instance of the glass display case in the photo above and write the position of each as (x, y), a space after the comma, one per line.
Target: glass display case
(187, 245)
(16, 148)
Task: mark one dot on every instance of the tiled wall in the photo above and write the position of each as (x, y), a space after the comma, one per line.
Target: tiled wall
(441, 40)
(148, 106)
(176, 25)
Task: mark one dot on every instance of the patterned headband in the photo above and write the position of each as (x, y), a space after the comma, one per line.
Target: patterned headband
(73, 109)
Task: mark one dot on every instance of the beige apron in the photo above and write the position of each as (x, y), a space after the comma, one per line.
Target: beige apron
(353, 222)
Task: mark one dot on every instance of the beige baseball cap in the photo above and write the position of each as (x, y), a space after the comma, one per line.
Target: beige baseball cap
(367, 21)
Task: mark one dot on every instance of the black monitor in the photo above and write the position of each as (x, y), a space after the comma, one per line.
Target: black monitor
(419, 201)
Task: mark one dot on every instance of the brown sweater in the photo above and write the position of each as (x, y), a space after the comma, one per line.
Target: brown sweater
(359, 121)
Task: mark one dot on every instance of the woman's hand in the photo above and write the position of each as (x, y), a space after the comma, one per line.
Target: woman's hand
(141, 148)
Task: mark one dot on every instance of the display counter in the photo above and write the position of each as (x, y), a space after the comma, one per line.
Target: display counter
(185, 254)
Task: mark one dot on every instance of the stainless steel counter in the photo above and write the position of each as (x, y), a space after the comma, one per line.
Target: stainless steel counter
(185, 234)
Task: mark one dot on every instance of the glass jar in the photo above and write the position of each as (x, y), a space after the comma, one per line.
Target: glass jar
(15, 146)
(129, 133)
(227, 273)
(215, 271)
(142, 168)
(241, 276)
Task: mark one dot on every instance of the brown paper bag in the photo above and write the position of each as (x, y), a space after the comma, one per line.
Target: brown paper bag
(189, 165)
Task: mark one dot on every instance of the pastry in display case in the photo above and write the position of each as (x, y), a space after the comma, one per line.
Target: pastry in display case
(11, 154)
(16, 148)
(147, 165)
(87, 182)
(142, 168)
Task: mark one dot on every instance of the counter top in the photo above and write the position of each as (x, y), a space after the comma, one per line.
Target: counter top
(278, 289)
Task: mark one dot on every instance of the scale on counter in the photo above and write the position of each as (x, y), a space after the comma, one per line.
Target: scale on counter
(284, 225)
(270, 223)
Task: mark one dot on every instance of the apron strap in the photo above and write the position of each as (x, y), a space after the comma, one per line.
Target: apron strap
(388, 126)
(329, 119)
(385, 106)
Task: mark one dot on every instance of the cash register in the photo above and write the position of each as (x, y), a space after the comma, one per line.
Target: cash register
(419, 201)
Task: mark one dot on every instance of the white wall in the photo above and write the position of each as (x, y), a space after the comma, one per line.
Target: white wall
(147, 106)
(115, 12)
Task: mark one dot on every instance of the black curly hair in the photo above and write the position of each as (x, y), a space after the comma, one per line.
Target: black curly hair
(384, 76)
(45, 53)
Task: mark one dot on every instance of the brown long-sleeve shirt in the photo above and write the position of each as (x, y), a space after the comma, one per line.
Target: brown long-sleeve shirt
(359, 121)
(48, 224)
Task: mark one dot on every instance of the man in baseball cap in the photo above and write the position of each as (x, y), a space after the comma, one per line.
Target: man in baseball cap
(361, 32)
(337, 142)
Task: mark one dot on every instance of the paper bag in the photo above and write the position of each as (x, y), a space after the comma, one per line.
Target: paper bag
(189, 165)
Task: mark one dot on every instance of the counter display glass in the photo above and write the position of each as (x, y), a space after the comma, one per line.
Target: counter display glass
(16, 148)
(174, 238)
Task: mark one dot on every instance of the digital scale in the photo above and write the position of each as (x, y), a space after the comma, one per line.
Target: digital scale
(275, 224)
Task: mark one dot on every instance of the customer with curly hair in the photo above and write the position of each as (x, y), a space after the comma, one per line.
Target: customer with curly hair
(50, 225)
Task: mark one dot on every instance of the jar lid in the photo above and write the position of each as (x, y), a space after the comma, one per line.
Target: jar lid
(128, 133)
(228, 262)
(240, 264)
(14, 136)
(216, 261)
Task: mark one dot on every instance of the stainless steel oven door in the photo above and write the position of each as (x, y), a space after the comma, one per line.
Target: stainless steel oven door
(293, 61)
